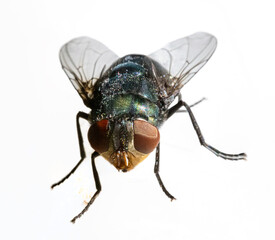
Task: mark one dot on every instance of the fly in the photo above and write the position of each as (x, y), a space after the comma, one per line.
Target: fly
(130, 99)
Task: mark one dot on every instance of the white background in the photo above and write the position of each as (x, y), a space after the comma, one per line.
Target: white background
(216, 199)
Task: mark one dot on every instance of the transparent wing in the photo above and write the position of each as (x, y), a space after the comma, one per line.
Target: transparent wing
(84, 60)
(183, 58)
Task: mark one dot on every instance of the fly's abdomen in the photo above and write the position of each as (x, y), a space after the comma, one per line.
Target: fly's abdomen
(131, 75)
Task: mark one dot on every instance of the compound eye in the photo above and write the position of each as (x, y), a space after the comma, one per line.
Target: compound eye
(98, 136)
(146, 136)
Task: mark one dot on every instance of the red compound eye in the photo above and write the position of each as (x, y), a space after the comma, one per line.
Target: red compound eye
(146, 136)
(98, 136)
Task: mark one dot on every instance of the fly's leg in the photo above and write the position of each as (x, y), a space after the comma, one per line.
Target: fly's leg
(97, 184)
(175, 108)
(156, 171)
(81, 147)
(192, 105)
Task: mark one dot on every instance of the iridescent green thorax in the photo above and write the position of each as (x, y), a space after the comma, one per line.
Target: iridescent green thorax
(128, 90)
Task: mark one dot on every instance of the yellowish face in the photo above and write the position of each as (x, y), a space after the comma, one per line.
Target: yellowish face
(123, 160)
(125, 144)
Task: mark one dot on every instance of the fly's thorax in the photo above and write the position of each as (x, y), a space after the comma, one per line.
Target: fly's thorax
(124, 143)
(129, 87)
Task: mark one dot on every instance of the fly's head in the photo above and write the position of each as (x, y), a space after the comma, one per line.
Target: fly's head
(124, 143)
